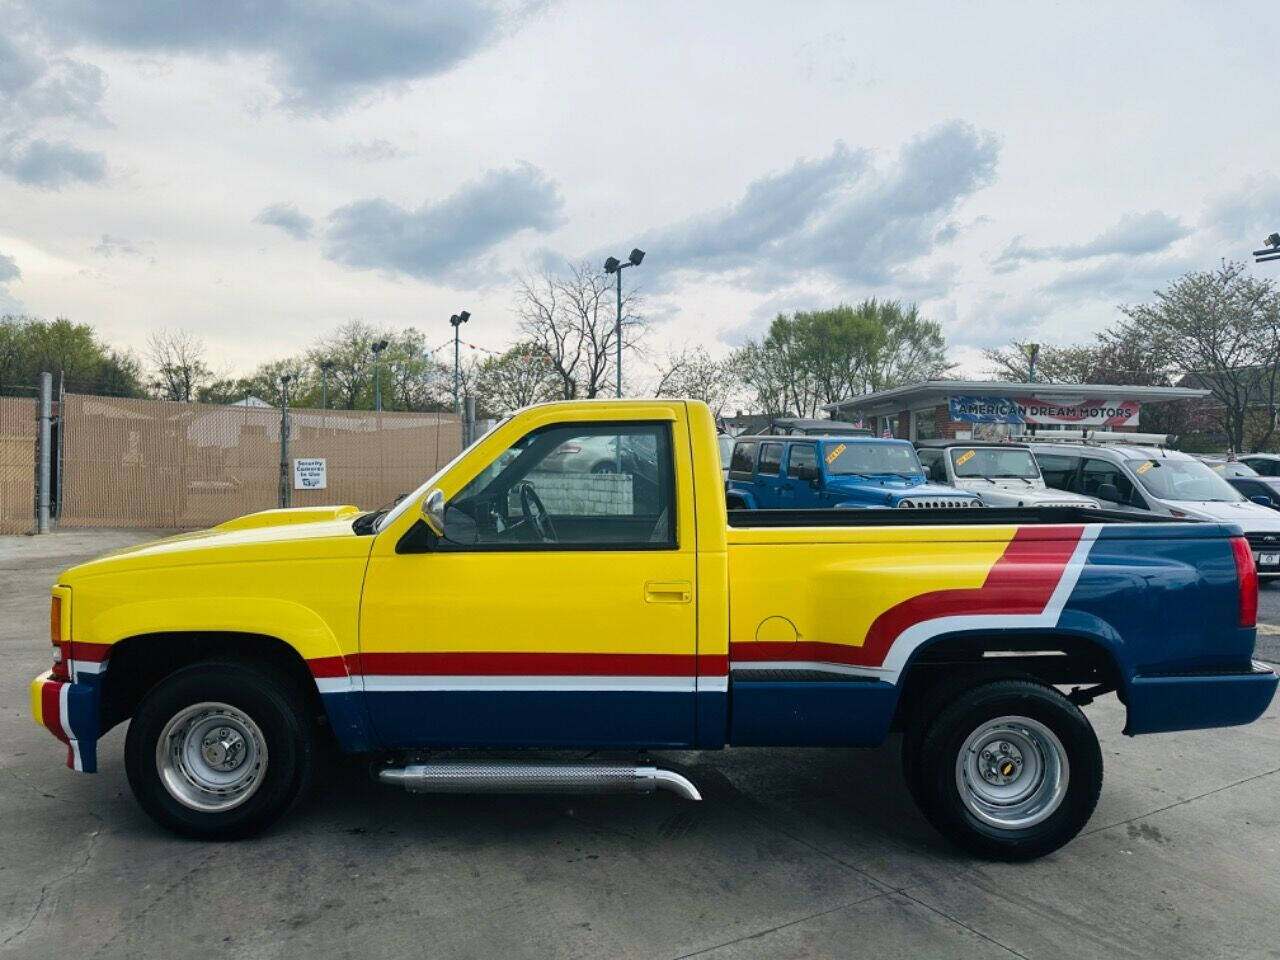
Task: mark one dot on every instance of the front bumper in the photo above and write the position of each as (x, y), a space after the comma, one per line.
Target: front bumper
(1192, 701)
(70, 712)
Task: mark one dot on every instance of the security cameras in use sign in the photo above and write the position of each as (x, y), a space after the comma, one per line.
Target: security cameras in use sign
(310, 474)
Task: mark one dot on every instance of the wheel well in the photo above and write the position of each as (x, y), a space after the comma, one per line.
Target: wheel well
(955, 663)
(735, 502)
(138, 663)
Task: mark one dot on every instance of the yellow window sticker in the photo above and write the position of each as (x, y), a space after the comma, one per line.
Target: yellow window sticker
(1219, 467)
(1146, 466)
(965, 457)
(838, 449)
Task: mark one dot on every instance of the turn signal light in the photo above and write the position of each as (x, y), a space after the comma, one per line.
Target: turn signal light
(61, 669)
(1247, 579)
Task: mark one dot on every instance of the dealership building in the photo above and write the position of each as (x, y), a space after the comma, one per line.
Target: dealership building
(990, 410)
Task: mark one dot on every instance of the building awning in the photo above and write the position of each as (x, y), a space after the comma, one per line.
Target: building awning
(929, 393)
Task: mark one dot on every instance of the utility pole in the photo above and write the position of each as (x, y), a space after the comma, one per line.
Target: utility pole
(46, 452)
(285, 490)
(615, 266)
(456, 321)
(1032, 351)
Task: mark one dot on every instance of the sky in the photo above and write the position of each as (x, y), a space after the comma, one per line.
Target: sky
(259, 172)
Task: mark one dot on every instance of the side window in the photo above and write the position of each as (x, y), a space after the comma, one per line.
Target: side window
(1059, 470)
(802, 464)
(1096, 473)
(770, 458)
(743, 460)
(572, 486)
(933, 459)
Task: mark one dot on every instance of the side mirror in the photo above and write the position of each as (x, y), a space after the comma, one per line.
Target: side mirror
(1108, 491)
(433, 511)
(1263, 501)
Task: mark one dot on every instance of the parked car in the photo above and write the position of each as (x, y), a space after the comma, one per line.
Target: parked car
(1153, 481)
(471, 616)
(844, 472)
(1002, 474)
(803, 427)
(1264, 491)
(1264, 464)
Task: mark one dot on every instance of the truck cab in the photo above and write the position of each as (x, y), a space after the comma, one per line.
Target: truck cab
(1002, 474)
(845, 472)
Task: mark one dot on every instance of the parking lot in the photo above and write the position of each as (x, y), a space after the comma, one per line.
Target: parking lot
(793, 853)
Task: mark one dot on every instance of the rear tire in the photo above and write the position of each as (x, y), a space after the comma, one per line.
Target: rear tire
(219, 750)
(1010, 770)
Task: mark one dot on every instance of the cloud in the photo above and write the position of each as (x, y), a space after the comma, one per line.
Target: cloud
(838, 216)
(288, 218)
(9, 269)
(35, 88)
(50, 165)
(1134, 234)
(443, 237)
(321, 55)
(372, 151)
(111, 246)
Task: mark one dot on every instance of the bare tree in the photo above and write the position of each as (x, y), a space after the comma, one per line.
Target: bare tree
(178, 364)
(692, 372)
(572, 319)
(350, 350)
(516, 378)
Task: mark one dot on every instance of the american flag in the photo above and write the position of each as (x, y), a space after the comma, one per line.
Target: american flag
(886, 435)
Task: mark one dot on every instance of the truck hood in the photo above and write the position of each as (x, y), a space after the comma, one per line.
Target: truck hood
(1015, 493)
(889, 491)
(268, 535)
(1250, 517)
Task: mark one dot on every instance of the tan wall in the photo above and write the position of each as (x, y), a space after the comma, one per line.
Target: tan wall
(152, 463)
(17, 464)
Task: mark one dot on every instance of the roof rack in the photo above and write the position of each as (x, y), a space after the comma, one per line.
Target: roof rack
(1101, 437)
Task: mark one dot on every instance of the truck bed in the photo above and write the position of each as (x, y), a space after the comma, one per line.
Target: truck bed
(979, 516)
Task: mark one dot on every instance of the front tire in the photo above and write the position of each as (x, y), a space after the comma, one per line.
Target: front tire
(219, 750)
(1010, 770)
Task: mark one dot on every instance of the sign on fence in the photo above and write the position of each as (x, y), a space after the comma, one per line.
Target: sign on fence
(310, 474)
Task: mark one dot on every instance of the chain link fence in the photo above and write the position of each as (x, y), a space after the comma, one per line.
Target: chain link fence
(153, 463)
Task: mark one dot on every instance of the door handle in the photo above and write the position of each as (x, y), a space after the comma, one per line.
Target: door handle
(669, 591)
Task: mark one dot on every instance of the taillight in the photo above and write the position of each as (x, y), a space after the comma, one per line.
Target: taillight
(1247, 579)
(61, 655)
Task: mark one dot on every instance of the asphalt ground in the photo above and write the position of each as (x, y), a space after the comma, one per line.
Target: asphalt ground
(793, 853)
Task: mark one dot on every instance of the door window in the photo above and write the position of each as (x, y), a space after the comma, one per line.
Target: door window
(770, 458)
(802, 464)
(1059, 471)
(744, 459)
(569, 487)
(933, 460)
(1097, 473)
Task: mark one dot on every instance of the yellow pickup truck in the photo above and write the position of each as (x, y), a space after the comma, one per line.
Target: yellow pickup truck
(573, 580)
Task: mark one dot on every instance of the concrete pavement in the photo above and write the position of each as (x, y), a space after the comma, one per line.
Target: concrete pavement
(793, 853)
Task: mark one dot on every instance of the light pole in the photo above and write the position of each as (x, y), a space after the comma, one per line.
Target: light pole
(284, 439)
(457, 320)
(1272, 251)
(612, 265)
(325, 367)
(377, 375)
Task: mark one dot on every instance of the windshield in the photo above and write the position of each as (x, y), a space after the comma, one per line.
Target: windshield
(871, 459)
(1230, 468)
(726, 448)
(1184, 480)
(994, 462)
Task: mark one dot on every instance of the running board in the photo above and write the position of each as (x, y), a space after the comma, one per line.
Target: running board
(470, 776)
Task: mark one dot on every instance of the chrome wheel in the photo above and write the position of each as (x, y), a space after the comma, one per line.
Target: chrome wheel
(1012, 773)
(211, 757)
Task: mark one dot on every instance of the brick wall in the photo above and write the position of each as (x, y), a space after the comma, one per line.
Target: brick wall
(582, 494)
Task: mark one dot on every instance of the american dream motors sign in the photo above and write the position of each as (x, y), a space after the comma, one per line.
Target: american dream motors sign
(1070, 411)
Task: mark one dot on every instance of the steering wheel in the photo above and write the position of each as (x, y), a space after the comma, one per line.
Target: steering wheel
(535, 513)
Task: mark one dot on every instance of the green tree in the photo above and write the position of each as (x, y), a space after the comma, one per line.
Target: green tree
(521, 375)
(350, 350)
(1075, 363)
(70, 351)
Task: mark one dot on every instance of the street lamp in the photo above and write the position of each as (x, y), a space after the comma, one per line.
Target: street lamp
(284, 440)
(612, 265)
(456, 321)
(1271, 252)
(325, 367)
(377, 375)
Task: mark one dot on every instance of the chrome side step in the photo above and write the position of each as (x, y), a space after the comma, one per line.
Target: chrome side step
(496, 776)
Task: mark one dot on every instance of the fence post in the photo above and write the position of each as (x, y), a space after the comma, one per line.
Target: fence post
(468, 421)
(46, 411)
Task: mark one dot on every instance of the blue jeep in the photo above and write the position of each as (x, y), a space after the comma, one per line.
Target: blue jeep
(790, 473)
